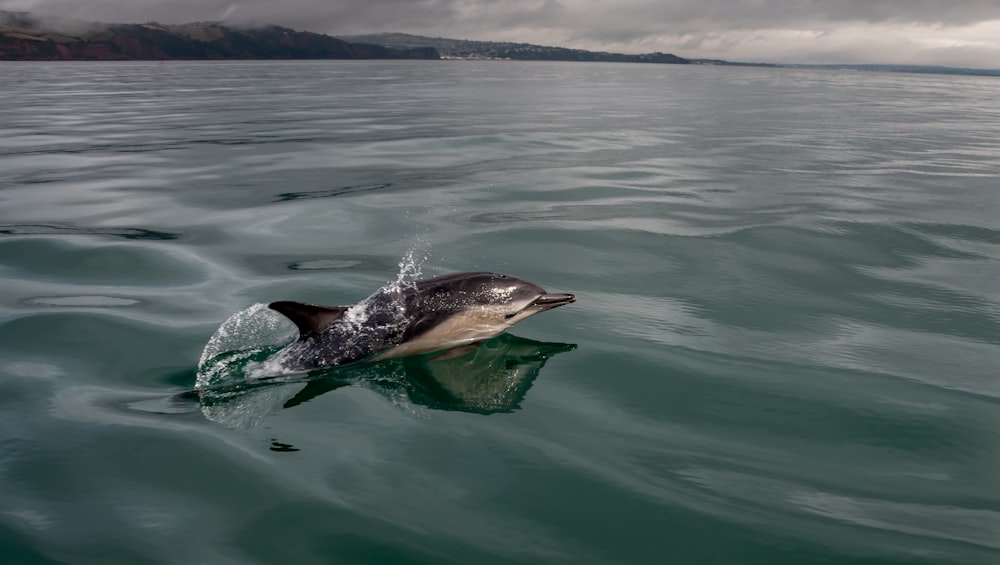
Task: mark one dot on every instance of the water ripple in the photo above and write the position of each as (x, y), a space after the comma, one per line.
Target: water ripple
(788, 326)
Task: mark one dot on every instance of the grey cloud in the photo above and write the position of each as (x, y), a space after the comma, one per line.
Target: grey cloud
(486, 14)
(631, 20)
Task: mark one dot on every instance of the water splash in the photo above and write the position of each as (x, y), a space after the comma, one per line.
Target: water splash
(411, 265)
(245, 340)
(389, 311)
(248, 346)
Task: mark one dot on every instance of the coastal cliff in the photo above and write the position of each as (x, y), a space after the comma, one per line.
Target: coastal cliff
(24, 37)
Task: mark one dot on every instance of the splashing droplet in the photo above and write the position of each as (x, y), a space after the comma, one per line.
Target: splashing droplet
(240, 340)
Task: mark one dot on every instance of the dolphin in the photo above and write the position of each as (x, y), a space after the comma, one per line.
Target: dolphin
(451, 312)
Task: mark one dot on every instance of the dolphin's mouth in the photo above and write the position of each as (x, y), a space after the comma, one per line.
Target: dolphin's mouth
(552, 300)
(544, 302)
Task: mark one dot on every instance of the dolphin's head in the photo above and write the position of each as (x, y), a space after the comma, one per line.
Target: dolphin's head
(520, 298)
(491, 301)
(500, 299)
(461, 309)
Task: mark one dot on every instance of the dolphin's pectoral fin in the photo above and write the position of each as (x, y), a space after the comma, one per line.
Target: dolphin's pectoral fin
(456, 352)
(309, 318)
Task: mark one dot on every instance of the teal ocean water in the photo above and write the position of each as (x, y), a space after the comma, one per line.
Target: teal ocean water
(785, 347)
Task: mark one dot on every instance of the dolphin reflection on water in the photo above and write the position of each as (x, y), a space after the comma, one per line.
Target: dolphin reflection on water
(493, 377)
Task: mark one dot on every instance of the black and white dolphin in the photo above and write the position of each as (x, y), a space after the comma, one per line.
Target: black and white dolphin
(443, 313)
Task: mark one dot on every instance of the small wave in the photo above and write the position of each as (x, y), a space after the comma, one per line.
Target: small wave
(81, 301)
(324, 264)
(54, 229)
(330, 192)
(975, 234)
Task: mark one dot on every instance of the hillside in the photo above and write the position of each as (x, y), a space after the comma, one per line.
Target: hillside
(466, 49)
(27, 37)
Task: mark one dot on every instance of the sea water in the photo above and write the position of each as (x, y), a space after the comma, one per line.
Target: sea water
(785, 347)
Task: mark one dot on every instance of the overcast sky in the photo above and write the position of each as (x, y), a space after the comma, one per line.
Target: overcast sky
(941, 32)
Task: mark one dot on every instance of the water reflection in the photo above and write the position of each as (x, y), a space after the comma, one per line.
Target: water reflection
(493, 377)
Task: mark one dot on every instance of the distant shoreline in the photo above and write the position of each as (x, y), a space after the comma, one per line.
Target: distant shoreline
(948, 71)
(27, 37)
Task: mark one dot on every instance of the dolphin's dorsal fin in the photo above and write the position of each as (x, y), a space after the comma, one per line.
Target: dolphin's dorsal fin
(309, 318)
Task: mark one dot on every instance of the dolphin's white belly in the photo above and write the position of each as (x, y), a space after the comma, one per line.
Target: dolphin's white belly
(458, 330)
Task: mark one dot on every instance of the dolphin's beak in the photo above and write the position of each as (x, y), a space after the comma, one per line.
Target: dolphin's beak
(552, 300)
